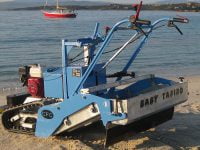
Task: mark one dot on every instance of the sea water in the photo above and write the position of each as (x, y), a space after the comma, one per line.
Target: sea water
(26, 37)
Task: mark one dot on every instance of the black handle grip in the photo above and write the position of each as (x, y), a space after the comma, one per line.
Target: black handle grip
(181, 20)
(143, 22)
(134, 20)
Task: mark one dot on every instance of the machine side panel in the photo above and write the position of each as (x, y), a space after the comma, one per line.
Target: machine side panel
(155, 101)
(53, 83)
(75, 73)
(46, 127)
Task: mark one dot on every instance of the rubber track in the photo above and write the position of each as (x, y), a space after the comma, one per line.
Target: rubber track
(10, 112)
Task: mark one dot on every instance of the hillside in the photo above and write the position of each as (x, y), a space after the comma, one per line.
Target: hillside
(10, 5)
(194, 7)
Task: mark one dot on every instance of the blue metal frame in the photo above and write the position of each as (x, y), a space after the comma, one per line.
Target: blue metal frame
(76, 101)
(106, 42)
(98, 54)
(141, 44)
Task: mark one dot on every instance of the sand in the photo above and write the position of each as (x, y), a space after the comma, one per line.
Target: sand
(182, 132)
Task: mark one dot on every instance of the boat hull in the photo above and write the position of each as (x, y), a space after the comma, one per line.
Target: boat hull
(59, 15)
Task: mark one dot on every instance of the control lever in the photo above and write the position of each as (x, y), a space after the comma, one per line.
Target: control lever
(107, 29)
(133, 20)
(143, 22)
(136, 22)
(171, 24)
(178, 29)
(141, 30)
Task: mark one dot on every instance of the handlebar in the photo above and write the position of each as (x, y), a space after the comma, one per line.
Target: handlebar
(180, 20)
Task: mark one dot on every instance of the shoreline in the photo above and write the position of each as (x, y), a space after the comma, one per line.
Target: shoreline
(183, 7)
(39, 9)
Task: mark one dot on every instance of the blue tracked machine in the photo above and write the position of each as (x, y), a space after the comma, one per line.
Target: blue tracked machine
(64, 99)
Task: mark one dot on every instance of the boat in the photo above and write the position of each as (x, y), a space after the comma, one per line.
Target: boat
(60, 12)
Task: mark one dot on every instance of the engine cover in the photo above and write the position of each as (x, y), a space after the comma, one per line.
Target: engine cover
(36, 87)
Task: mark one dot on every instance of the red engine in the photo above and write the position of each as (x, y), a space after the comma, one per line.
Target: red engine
(31, 76)
(36, 86)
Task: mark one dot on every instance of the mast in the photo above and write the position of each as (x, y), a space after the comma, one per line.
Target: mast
(57, 4)
(45, 4)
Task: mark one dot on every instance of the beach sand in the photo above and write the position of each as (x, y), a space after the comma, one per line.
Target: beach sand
(182, 132)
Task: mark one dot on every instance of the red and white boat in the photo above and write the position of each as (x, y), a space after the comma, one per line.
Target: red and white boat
(60, 12)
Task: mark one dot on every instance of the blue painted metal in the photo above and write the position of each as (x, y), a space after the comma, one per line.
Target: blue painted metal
(73, 99)
(46, 127)
(53, 76)
(163, 81)
(95, 34)
(72, 80)
(98, 54)
(65, 52)
(107, 40)
(141, 44)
